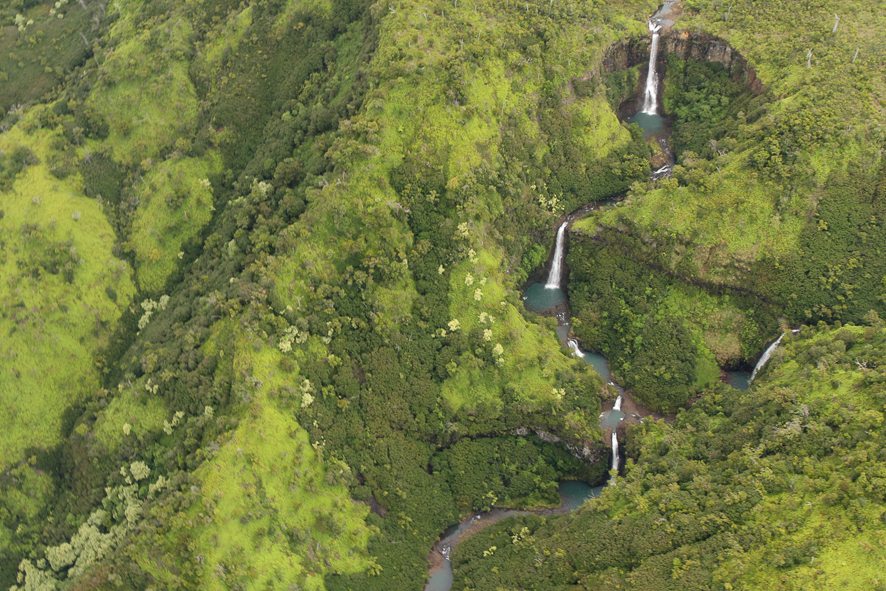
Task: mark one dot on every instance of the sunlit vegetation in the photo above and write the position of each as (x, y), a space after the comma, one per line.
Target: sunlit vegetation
(62, 291)
(261, 318)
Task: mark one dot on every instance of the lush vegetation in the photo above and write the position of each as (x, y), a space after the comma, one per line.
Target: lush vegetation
(666, 339)
(260, 304)
(779, 487)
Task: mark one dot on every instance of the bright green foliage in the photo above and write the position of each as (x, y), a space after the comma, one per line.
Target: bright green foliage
(774, 488)
(268, 513)
(328, 362)
(175, 203)
(147, 103)
(63, 290)
(130, 416)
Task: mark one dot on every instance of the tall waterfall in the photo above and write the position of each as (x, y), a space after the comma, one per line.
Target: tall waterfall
(615, 461)
(765, 357)
(650, 98)
(557, 264)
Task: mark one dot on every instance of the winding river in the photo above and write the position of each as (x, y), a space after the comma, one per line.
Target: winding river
(572, 495)
(549, 297)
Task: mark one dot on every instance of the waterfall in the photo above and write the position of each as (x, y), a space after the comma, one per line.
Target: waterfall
(616, 406)
(765, 357)
(650, 98)
(573, 346)
(557, 264)
(662, 172)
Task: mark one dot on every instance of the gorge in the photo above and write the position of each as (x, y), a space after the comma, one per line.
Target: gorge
(550, 296)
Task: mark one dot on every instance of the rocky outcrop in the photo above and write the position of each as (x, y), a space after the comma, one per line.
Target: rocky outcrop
(687, 45)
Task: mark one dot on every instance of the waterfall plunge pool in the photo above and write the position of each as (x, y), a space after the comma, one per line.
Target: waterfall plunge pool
(539, 298)
(652, 124)
(740, 380)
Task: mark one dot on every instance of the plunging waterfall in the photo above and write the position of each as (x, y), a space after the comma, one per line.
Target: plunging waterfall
(765, 357)
(615, 461)
(573, 346)
(557, 264)
(650, 97)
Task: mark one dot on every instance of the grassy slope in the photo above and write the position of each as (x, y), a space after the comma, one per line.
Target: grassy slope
(357, 249)
(268, 511)
(63, 293)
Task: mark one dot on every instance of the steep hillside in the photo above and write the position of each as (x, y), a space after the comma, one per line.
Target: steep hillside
(261, 307)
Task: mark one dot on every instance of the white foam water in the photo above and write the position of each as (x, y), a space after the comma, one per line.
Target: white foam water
(650, 97)
(556, 271)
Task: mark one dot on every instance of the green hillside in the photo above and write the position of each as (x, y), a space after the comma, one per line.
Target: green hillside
(261, 265)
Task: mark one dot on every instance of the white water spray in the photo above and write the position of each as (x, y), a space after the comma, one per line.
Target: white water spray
(615, 460)
(650, 97)
(576, 350)
(557, 264)
(662, 172)
(764, 358)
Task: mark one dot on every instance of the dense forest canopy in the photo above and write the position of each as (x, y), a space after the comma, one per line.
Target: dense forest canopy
(261, 266)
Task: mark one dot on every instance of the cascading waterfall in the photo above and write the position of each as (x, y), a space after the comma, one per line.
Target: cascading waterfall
(761, 363)
(615, 460)
(557, 264)
(662, 172)
(576, 350)
(764, 358)
(650, 98)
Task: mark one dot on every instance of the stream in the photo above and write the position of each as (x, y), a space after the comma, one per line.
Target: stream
(550, 298)
(573, 494)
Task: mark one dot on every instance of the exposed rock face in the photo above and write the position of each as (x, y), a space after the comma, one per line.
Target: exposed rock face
(687, 45)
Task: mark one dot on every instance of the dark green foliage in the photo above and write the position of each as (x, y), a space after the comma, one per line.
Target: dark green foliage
(663, 366)
(839, 271)
(705, 104)
(36, 59)
(505, 472)
(13, 163)
(102, 177)
(305, 97)
(47, 256)
(580, 181)
(645, 320)
(620, 86)
(684, 517)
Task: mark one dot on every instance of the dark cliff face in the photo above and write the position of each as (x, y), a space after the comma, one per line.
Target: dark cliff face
(687, 45)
